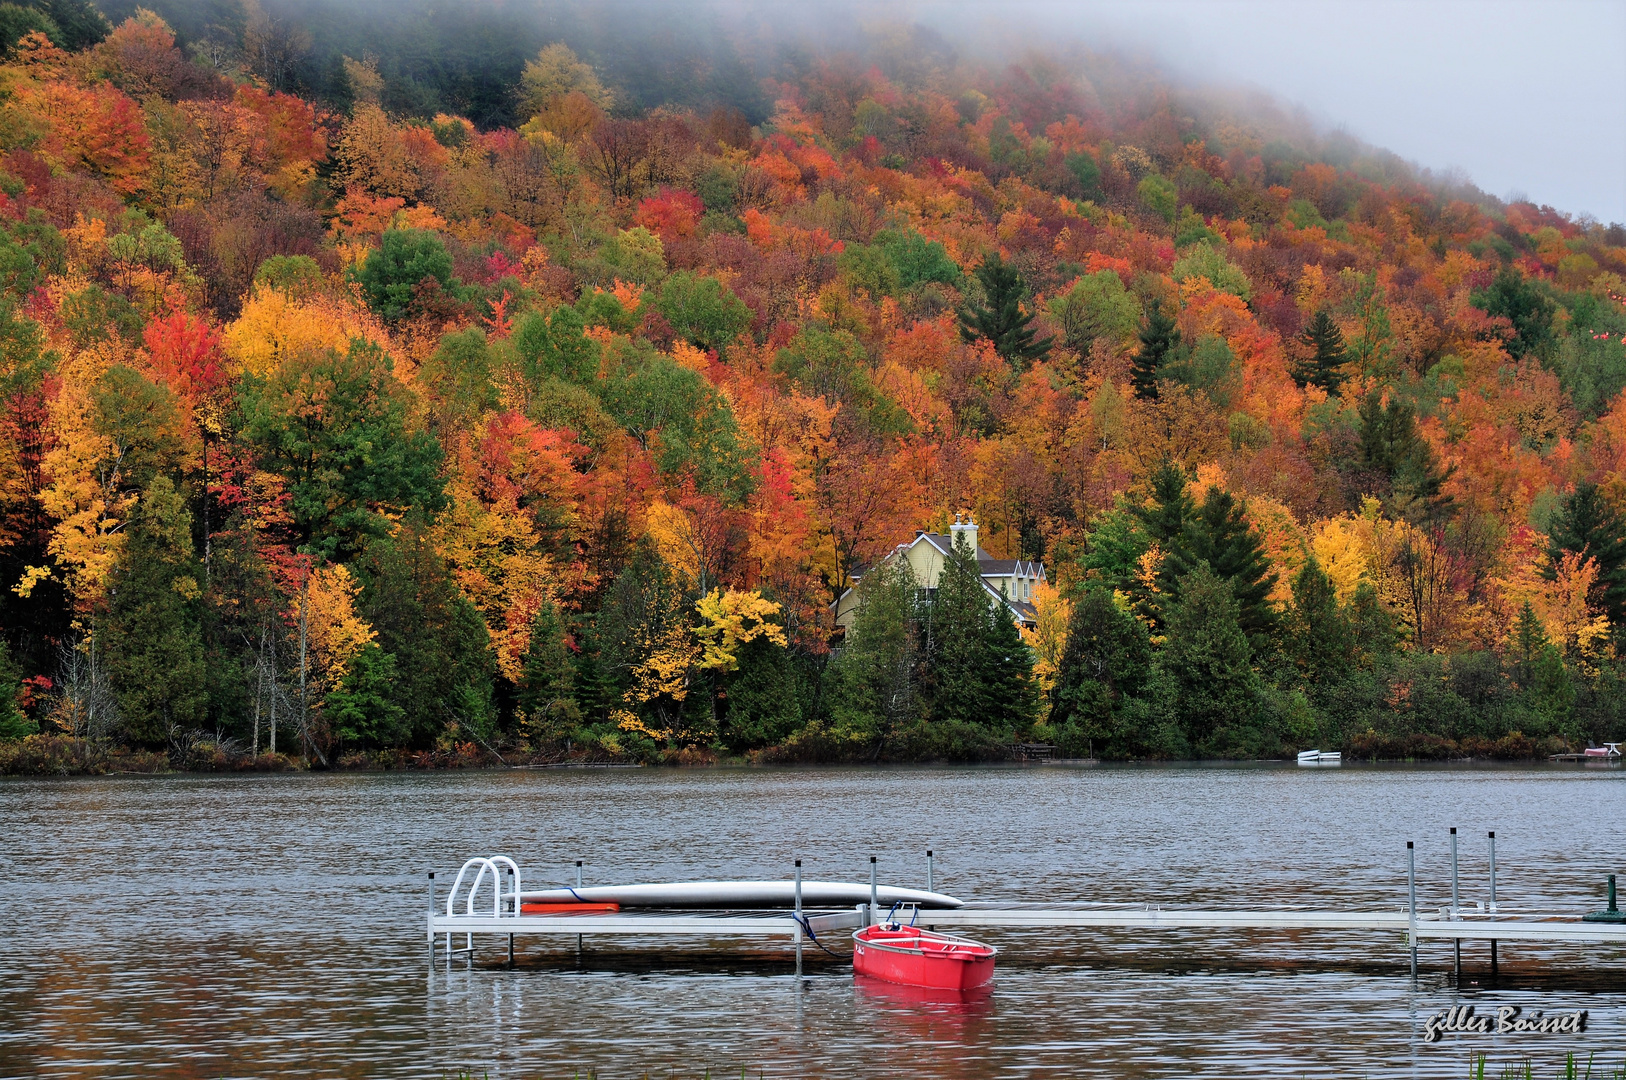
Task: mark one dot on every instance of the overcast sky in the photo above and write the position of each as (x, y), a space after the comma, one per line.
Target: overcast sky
(1525, 98)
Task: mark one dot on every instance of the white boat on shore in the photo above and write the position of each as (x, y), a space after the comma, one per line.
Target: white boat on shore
(1320, 759)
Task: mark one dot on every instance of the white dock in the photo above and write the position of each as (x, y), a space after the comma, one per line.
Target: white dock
(1549, 926)
(499, 910)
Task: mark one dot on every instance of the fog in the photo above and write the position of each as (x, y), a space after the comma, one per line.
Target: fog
(1526, 99)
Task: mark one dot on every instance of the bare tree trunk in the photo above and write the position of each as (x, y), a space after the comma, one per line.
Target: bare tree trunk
(259, 690)
(305, 735)
(273, 693)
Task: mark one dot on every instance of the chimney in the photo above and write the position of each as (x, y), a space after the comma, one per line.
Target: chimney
(968, 527)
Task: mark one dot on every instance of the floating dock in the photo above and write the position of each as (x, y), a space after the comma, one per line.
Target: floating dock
(497, 909)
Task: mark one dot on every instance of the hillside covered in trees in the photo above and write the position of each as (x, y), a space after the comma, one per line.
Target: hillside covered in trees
(391, 408)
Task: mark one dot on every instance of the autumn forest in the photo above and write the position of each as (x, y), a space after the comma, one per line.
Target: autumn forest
(421, 401)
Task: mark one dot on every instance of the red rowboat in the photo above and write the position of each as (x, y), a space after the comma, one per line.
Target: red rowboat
(914, 957)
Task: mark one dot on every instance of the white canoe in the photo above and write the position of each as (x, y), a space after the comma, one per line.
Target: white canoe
(740, 894)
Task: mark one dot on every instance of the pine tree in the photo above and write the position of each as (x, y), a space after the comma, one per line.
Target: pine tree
(957, 629)
(1008, 688)
(1392, 447)
(1164, 521)
(875, 687)
(1371, 625)
(1218, 535)
(1158, 339)
(764, 698)
(1001, 319)
(1207, 659)
(1587, 525)
(152, 637)
(547, 691)
(1326, 343)
(1320, 641)
(14, 723)
(1106, 659)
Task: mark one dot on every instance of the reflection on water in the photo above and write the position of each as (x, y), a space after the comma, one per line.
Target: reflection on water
(251, 926)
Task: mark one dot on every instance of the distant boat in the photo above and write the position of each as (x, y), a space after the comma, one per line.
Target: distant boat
(1607, 750)
(1314, 759)
(910, 956)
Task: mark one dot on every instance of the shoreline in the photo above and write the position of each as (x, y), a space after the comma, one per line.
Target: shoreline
(63, 756)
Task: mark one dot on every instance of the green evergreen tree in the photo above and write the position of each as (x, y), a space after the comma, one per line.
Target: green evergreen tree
(1163, 522)
(441, 646)
(363, 711)
(1322, 367)
(1218, 535)
(1106, 659)
(555, 346)
(151, 635)
(1207, 659)
(1372, 627)
(764, 698)
(1321, 642)
(1523, 304)
(547, 690)
(1114, 545)
(1001, 319)
(1588, 526)
(874, 682)
(1392, 448)
(1538, 669)
(1159, 340)
(1011, 695)
(956, 625)
(14, 723)
(80, 23)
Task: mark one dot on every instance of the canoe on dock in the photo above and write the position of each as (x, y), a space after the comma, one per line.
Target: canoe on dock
(740, 894)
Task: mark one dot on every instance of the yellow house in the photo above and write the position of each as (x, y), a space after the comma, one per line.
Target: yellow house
(1009, 581)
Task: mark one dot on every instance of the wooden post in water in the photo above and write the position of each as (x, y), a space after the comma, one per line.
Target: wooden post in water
(431, 920)
(1493, 897)
(930, 887)
(515, 890)
(1456, 943)
(578, 897)
(798, 919)
(1411, 921)
(872, 893)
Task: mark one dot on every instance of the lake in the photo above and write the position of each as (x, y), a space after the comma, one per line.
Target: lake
(201, 926)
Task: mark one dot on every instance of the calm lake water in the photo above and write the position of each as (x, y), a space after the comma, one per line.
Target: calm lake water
(266, 925)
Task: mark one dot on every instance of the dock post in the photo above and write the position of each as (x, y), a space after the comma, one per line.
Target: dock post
(1411, 922)
(1493, 896)
(578, 885)
(930, 887)
(431, 918)
(798, 918)
(1456, 943)
(514, 885)
(872, 892)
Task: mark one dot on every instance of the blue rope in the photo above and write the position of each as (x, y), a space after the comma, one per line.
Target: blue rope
(815, 938)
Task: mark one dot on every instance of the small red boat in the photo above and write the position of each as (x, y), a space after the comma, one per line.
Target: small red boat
(910, 956)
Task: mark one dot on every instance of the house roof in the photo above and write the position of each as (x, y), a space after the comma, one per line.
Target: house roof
(987, 565)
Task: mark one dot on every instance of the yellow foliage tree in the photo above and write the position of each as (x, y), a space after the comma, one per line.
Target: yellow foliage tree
(1048, 638)
(326, 608)
(1341, 546)
(274, 325)
(730, 620)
